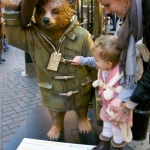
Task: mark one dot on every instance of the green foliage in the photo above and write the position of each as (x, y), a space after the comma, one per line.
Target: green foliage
(86, 1)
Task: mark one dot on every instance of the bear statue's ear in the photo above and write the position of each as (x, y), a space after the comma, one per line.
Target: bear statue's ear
(72, 3)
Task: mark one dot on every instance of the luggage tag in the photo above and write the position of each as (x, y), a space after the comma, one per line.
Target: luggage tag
(54, 61)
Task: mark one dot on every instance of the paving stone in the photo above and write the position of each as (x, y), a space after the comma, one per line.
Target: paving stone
(8, 122)
(7, 138)
(20, 118)
(1, 133)
(1, 124)
(18, 96)
(11, 94)
(6, 118)
(1, 115)
(7, 109)
(14, 129)
(15, 124)
(14, 115)
(22, 104)
(25, 99)
(17, 108)
(14, 101)
(13, 104)
(30, 95)
(1, 144)
(24, 113)
(8, 113)
(6, 96)
(5, 128)
(29, 107)
(7, 132)
(6, 106)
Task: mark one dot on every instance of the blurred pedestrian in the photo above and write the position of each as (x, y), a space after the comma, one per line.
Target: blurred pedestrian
(1, 40)
(5, 44)
(114, 20)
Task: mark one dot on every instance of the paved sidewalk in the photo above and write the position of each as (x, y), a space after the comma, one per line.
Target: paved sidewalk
(19, 94)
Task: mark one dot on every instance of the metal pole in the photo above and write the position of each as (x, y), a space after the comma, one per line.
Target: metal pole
(92, 11)
(88, 18)
(81, 10)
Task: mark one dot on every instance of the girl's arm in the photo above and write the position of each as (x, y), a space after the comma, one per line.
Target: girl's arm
(80, 60)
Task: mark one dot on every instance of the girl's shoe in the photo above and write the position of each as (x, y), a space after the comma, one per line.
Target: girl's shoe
(104, 143)
(115, 146)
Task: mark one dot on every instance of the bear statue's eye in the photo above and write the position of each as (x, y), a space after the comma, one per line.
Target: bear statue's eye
(41, 11)
(55, 11)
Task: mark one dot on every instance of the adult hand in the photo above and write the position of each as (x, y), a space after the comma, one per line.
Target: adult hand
(75, 61)
(121, 115)
(115, 104)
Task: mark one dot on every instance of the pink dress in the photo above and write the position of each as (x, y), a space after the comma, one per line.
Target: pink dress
(103, 115)
(105, 103)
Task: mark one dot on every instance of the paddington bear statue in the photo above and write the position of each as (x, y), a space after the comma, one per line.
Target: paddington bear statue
(49, 31)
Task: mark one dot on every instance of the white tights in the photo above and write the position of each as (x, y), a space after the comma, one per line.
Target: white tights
(109, 130)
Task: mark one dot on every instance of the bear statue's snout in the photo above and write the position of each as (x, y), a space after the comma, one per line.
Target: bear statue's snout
(46, 20)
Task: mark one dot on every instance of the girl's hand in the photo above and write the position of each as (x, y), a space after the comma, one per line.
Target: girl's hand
(75, 61)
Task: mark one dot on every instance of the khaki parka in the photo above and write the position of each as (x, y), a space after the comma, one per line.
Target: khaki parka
(68, 88)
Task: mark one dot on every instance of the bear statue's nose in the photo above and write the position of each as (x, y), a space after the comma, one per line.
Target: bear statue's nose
(46, 20)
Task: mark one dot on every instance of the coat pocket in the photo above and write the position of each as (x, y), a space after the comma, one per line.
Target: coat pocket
(45, 85)
(86, 84)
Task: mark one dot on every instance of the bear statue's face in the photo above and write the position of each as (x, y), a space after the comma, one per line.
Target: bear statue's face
(53, 14)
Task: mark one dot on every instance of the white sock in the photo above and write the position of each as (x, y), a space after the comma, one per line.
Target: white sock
(117, 137)
(107, 129)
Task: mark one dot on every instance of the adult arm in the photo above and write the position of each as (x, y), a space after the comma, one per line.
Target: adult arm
(142, 92)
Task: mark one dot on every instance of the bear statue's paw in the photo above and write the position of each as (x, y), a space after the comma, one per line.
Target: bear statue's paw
(14, 5)
(84, 126)
(54, 132)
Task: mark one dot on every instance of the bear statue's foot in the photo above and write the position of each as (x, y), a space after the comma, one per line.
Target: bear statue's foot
(84, 124)
(57, 125)
(54, 133)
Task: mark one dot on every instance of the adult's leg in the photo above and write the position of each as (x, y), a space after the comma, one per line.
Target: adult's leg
(113, 18)
(1, 43)
(6, 46)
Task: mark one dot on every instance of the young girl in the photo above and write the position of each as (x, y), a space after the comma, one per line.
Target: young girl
(110, 82)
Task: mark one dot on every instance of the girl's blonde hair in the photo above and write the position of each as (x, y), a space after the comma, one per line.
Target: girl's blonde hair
(106, 47)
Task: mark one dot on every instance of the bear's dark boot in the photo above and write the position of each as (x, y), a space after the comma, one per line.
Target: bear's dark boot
(104, 143)
(115, 146)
